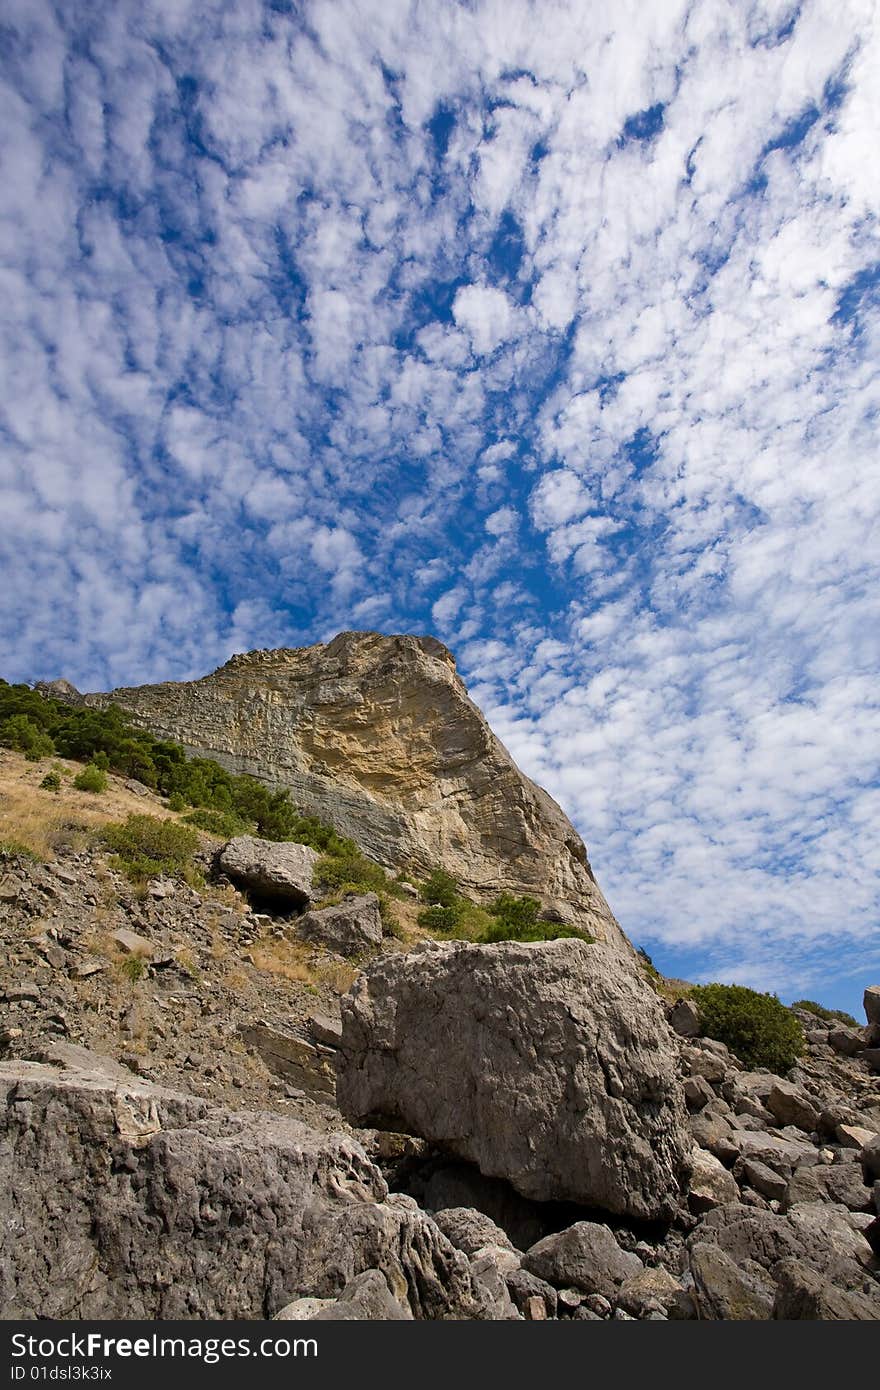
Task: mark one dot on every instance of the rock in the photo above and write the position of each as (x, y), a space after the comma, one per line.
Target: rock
(366, 1298)
(133, 944)
(489, 1268)
(121, 1200)
(523, 1287)
(841, 1183)
(714, 1133)
(729, 1289)
(697, 1092)
(325, 1029)
(846, 1041)
(470, 1230)
(872, 1003)
(826, 1234)
(853, 1136)
(350, 927)
(647, 1287)
(302, 1309)
(535, 1309)
(684, 1018)
(463, 1185)
(376, 734)
(749, 1234)
(711, 1184)
(275, 872)
(782, 1155)
(710, 1067)
(585, 1255)
(803, 1293)
(543, 1063)
(870, 1157)
(23, 991)
(292, 1057)
(790, 1105)
(871, 1058)
(764, 1180)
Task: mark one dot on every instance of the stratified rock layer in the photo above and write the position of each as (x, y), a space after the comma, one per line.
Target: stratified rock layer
(544, 1064)
(378, 735)
(122, 1200)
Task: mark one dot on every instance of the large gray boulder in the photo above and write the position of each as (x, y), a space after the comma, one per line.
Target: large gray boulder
(585, 1256)
(348, 928)
(548, 1064)
(122, 1200)
(275, 871)
(872, 1004)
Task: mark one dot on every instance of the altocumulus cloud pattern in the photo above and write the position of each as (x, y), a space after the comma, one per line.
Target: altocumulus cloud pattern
(551, 329)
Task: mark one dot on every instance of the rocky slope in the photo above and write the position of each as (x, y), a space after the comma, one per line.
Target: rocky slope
(377, 734)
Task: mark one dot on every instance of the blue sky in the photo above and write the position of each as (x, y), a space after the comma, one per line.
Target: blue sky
(549, 329)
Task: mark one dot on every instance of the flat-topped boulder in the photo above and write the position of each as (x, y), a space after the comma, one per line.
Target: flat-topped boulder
(544, 1063)
(276, 871)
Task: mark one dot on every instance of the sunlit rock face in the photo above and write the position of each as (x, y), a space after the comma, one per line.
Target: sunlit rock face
(377, 734)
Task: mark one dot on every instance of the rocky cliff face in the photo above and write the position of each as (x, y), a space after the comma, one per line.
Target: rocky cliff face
(378, 735)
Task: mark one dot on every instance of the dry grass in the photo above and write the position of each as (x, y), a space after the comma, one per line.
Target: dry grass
(289, 960)
(47, 822)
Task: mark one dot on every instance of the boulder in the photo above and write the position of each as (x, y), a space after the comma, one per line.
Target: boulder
(292, 1057)
(871, 1058)
(840, 1183)
(764, 1180)
(790, 1105)
(470, 1230)
(697, 1092)
(870, 1157)
(872, 1004)
(277, 872)
(647, 1287)
(121, 1200)
(352, 926)
(684, 1018)
(853, 1136)
(366, 1298)
(544, 1063)
(523, 1287)
(733, 1290)
(846, 1041)
(711, 1184)
(586, 1255)
(804, 1293)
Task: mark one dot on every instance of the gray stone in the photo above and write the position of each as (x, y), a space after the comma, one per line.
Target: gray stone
(871, 1058)
(543, 1063)
(749, 1234)
(826, 1234)
(650, 1286)
(523, 1287)
(711, 1184)
(276, 871)
(714, 1133)
(366, 1298)
(325, 1029)
(841, 1183)
(846, 1041)
(872, 1003)
(469, 1230)
(853, 1136)
(790, 1105)
(586, 1256)
(764, 1180)
(804, 1293)
(697, 1092)
(291, 1057)
(120, 1200)
(302, 1309)
(348, 928)
(870, 1157)
(733, 1290)
(489, 1269)
(684, 1018)
(134, 945)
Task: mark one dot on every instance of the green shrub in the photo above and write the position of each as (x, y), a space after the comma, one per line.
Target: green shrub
(829, 1015)
(91, 779)
(176, 802)
(443, 921)
(26, 736)
(224, 823)
(440, 889)
(757, 1028)
(346, 867)
(51, 782)
(146, 847)
(133, 967)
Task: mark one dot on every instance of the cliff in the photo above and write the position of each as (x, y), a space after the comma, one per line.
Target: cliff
(378, 735)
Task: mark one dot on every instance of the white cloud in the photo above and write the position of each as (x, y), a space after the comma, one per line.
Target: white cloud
(487, 315)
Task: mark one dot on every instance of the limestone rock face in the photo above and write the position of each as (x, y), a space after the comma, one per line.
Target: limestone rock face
(377, 734)
(545, 1064)
(122, 1200)
(352, 926)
